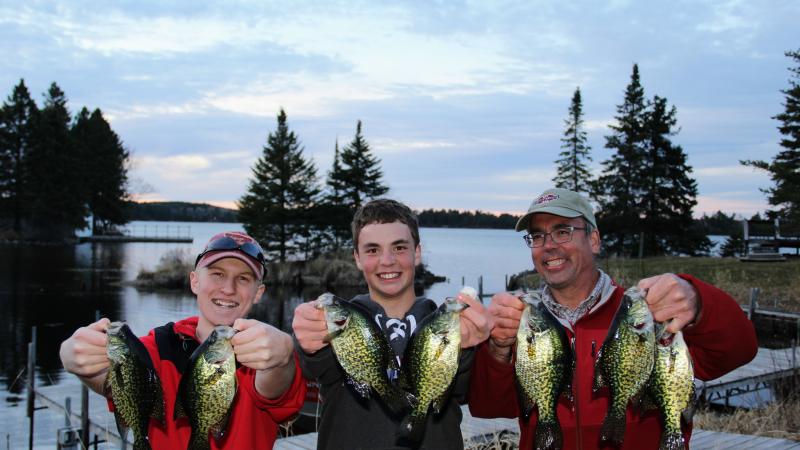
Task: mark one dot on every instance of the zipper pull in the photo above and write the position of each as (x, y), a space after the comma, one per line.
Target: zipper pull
(594, 353)
(572, 343)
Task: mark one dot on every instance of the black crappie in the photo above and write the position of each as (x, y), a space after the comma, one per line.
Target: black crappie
(430, 364)
(133, 384)
(672, 386)
(363, 352)
(625, 360)
(543, 368)
(208, 387)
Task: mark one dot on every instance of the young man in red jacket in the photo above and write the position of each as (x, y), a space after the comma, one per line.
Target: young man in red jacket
(564, 240)
(227, 281)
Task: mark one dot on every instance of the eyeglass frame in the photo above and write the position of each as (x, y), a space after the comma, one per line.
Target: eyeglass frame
(528, 238)
(246, 248)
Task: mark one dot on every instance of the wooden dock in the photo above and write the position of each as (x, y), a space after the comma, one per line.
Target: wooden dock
(768, 365)
(145, 233)
(474, 429)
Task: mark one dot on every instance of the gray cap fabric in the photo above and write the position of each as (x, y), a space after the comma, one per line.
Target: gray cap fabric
(559, 202)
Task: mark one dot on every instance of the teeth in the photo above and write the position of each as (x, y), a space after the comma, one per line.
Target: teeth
(388, 276)
(554, 262)
(225, 304)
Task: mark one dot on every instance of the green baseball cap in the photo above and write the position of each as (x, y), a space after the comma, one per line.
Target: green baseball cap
(559, 202)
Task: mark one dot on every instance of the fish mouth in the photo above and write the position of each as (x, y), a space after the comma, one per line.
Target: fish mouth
(222, 303)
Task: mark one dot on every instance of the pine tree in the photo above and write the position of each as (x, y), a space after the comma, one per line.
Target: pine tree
(669, 193)
(105, 162)
(336, 210)
(785, 167)
(618, 190)
(17, 121)
(57, 204)
(281, 196)
(572, 171)
(360, 175)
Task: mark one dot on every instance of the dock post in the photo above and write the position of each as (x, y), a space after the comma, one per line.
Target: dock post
(506, 282)
(480, 287)
(30, 387)
(753, 301)
(462, 280)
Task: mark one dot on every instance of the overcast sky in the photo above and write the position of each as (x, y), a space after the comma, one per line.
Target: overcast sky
(463, 102)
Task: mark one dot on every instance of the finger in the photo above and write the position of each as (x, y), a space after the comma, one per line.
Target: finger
(506, 323)
(309, 311)
(676, 325)
(100, 325)
(647, 283)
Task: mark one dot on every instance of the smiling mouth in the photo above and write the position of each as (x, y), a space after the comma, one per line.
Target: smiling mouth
(389, 276)
(224, 303)
(555, 262)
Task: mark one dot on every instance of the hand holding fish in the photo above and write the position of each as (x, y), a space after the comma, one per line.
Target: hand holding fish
(268, 350)
(84, 354)
(506, 311)
(672, 297)
(476, 322)
(310, 327)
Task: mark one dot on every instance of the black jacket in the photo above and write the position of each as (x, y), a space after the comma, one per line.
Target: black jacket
(350, 422)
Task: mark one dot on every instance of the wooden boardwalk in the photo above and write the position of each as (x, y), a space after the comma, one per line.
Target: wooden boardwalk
(472, 428)
(768, 365)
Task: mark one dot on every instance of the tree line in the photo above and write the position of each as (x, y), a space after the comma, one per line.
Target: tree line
(645, 193)
(57, 170)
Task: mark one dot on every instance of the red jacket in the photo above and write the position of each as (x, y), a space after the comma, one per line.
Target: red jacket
(720, 341)
(254, 420)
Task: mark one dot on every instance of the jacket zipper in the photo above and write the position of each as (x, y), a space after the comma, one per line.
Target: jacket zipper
(575, 390)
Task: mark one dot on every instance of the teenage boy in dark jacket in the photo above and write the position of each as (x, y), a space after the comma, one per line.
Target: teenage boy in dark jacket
(386, 250)
(564, 240)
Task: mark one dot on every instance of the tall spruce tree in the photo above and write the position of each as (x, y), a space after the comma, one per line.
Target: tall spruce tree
(360, 176)
(669, 193)
(619, 188)
(572, 172)
(55, 184)
(337, 210)
(280, 198)
(17, 121)
(104, 160)
(784, 169)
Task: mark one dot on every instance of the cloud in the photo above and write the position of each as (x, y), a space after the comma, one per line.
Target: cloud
(392, 146)
(729, 171)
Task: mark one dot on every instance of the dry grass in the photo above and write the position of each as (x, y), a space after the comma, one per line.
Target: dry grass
(778, 281)
(503, 440)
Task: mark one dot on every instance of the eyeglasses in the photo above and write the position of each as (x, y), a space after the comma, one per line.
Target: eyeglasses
(249, 248)
(558, 236)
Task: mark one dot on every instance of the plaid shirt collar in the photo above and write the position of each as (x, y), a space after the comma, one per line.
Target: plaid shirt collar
(601, 291)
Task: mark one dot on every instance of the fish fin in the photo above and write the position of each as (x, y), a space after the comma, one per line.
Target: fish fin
(218, 429)
(198, 441)
(122, 426)
(332, 335)
(157, 407)
(526, 403)
(412, 428)
(179, 410)
(142, 444)
(362, 389)
(613, 428)
(672, 441)
(599, 379)
(548, 436)
(398, 401)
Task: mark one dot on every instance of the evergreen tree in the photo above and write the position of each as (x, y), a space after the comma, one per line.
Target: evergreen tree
(360, 175)
(104, 161)
(57, 205)
(281, 196)
(785, 167)
(337, 213)
(619, 188)
(572, 171)
(17, 121)
(669, 193)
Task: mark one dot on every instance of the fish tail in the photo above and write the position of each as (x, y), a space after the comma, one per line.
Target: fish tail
(399, 401)
(548, 436)
(613, 428)
(412, 428)
(141, 444)
(198, 442)
(672, 441)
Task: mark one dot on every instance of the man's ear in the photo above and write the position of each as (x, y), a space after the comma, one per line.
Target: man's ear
(259, 293)
(594, 240)
(194, 281)
(418, 255)
(358, 262)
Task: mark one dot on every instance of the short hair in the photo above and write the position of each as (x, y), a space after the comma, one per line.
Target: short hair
(384, 210)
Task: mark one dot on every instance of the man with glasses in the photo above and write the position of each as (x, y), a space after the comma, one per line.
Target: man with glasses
(228, 281)
(564, 241)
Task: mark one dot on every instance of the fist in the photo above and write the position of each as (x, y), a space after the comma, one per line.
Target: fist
(310, 327)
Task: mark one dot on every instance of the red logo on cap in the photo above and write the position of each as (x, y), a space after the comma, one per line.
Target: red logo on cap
(546, 198)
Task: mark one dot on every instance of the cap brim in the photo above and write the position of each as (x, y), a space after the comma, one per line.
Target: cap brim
(524, 221)
(254, 265)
